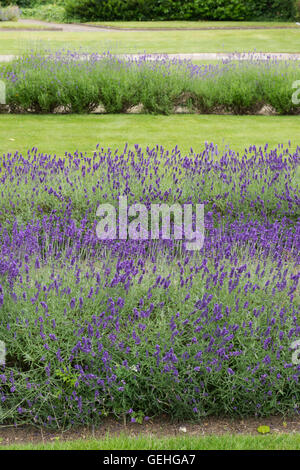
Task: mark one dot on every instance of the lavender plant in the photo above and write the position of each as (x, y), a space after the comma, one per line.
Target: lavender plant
(139, 328)
(79, 82)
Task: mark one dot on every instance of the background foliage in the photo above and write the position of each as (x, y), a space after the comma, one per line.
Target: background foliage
(143, 10)
(108, 10)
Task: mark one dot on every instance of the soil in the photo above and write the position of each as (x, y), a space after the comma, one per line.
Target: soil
(162, 427)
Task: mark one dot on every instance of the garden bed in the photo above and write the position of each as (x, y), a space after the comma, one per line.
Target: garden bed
(77, 82)
(137, 328)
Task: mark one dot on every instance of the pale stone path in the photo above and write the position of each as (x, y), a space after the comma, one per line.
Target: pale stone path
(72, 27)
(198, 56)
(60, 26)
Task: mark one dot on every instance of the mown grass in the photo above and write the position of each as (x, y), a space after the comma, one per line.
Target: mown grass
(283, 40)
(15, 25)
(143, 442)
(193, 24)
(58, 133)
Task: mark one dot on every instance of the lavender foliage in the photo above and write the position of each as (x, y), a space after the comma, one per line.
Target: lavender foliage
(79, 82)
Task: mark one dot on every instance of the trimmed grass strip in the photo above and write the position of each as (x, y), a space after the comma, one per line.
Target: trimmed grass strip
(141, 442)
(59, 133)
(284, 40)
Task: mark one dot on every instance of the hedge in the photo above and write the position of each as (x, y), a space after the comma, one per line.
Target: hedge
(142, 10)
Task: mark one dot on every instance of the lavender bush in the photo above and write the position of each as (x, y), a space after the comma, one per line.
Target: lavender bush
(78, 82)
(139, 328)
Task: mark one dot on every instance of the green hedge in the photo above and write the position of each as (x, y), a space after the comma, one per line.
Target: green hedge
(20, 3)
(30, 3)
(272, 9)
(141, 10)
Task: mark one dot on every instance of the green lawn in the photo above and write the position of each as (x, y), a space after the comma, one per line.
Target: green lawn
(58, 133)
(210, 442)
(282, 40)
(193, 24)
(16, 25)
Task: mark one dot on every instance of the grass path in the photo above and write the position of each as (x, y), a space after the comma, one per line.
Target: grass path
(60, 133)
(192, 25)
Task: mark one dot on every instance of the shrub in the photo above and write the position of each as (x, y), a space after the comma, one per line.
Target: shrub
(47, 12)
(10, 13)
(100, 9)
(20, 3)
(30, 3)
(272, 9)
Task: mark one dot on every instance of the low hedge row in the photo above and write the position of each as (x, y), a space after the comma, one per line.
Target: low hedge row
(143, 10)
